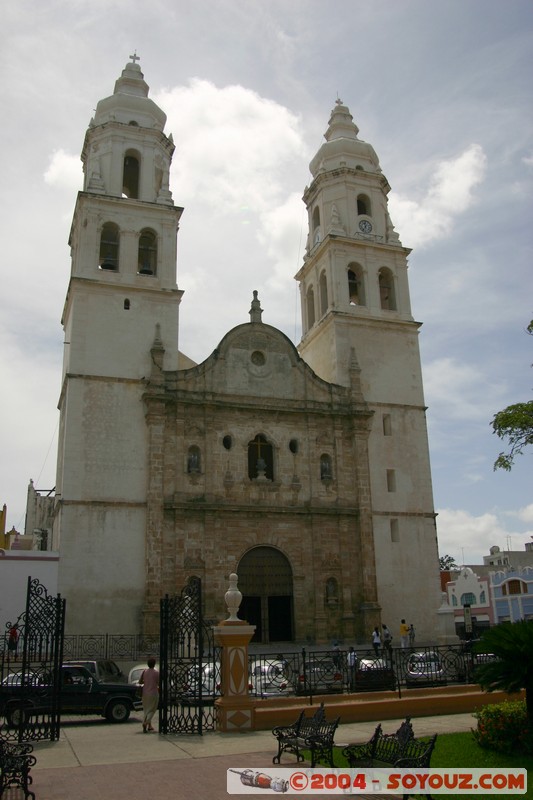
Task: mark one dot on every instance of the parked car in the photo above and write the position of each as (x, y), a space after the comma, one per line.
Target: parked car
(477, 660)
(320, 676)
(424, 668)
(269, 679)
(374, 674)
(134, 675)
(16, 678)
(483, 658)
(104, 670)
(80, 693)
(208, 688)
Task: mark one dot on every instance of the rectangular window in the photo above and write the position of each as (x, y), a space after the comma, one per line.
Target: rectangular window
(394, 530)
(391, 480)
(387, 425)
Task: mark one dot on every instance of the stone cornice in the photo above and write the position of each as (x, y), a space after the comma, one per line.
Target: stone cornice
(219, 507)
(420, 514)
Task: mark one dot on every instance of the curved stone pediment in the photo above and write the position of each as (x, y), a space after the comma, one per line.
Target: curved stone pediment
(258, 361)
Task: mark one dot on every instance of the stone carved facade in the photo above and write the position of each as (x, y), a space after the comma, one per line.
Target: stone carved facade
(323, 527)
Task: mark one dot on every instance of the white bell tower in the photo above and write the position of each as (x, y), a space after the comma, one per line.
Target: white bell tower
(122, 298)
(123, 239)
(356, 312)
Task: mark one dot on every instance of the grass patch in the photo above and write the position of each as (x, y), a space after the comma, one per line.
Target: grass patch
(461, 750)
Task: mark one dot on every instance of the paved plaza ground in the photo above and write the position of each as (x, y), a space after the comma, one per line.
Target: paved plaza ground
(94, 760)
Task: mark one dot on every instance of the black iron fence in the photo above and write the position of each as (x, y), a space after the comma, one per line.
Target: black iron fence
(117, 647)
(310, 671)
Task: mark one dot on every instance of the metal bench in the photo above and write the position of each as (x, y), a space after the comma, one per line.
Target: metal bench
(291, 738)
(16, 761)
(321, 742)
(382, 747)
(399, 749)
(417, 753)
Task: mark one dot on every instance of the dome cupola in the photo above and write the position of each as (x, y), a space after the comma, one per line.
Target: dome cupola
(342, 147)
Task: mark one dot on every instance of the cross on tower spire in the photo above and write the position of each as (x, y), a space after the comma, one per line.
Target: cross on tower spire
(135, 57)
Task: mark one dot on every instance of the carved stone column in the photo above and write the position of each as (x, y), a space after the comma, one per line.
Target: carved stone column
(235, 707)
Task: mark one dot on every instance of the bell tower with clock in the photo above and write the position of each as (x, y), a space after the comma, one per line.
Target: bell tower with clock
(356, 314)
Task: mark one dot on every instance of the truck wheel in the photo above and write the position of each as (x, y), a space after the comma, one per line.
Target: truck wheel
(117, 711)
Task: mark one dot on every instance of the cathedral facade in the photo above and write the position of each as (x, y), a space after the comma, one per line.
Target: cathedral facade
(305, 470)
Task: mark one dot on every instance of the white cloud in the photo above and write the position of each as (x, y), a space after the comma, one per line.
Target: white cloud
(29, 410)
(233, 147)
(525, 514)
(283, 231)
(65, 172)
(452, 389)
(450, 193)
(238, 158)
(468, 537)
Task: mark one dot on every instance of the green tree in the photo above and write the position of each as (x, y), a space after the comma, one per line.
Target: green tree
(512, 643)
(514, 424)
(446, 563)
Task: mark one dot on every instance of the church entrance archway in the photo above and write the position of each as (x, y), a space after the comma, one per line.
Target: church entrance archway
(265, 580)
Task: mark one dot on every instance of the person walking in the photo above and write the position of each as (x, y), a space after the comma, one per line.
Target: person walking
(351, 659)
(337, 657)
(12, 641)
(411, 636)
(404, 634)
(149, 681)
(387, 640)
(376, 640)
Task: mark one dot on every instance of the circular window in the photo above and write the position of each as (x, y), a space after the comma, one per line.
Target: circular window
(258, 358)
(227, 442)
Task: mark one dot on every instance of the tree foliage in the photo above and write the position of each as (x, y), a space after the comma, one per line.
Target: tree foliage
(512, 643)
(514, 424)
(446, 563)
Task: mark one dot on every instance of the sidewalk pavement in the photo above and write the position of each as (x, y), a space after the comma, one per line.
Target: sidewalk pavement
(94, 760)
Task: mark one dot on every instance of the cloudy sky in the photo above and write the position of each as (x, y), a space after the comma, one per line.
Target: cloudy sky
(443, 92)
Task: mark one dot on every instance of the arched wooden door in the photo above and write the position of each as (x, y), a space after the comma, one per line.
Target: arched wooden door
(265, 580)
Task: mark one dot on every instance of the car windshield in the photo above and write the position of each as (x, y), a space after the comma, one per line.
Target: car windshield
(16, 678)
(194, 672)
(268, 670)
(321, 666)
(425, 659)
(376, 663)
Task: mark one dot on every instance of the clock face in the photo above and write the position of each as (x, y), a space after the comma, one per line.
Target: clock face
(365, 226)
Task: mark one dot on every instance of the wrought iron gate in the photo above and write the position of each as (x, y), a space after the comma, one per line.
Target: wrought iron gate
(30, 663)
(189, 664)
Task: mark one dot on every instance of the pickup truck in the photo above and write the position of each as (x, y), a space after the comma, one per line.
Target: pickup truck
(80, 693)
(104, 670)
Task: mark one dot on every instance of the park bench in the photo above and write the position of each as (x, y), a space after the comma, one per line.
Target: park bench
(400, 749)
(16, 761)
(307, 733)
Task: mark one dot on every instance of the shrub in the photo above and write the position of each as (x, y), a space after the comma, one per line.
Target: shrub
(504, 727)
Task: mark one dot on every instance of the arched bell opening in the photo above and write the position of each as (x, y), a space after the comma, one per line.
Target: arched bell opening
(109, 247)
(147, 257)
(130, 175)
